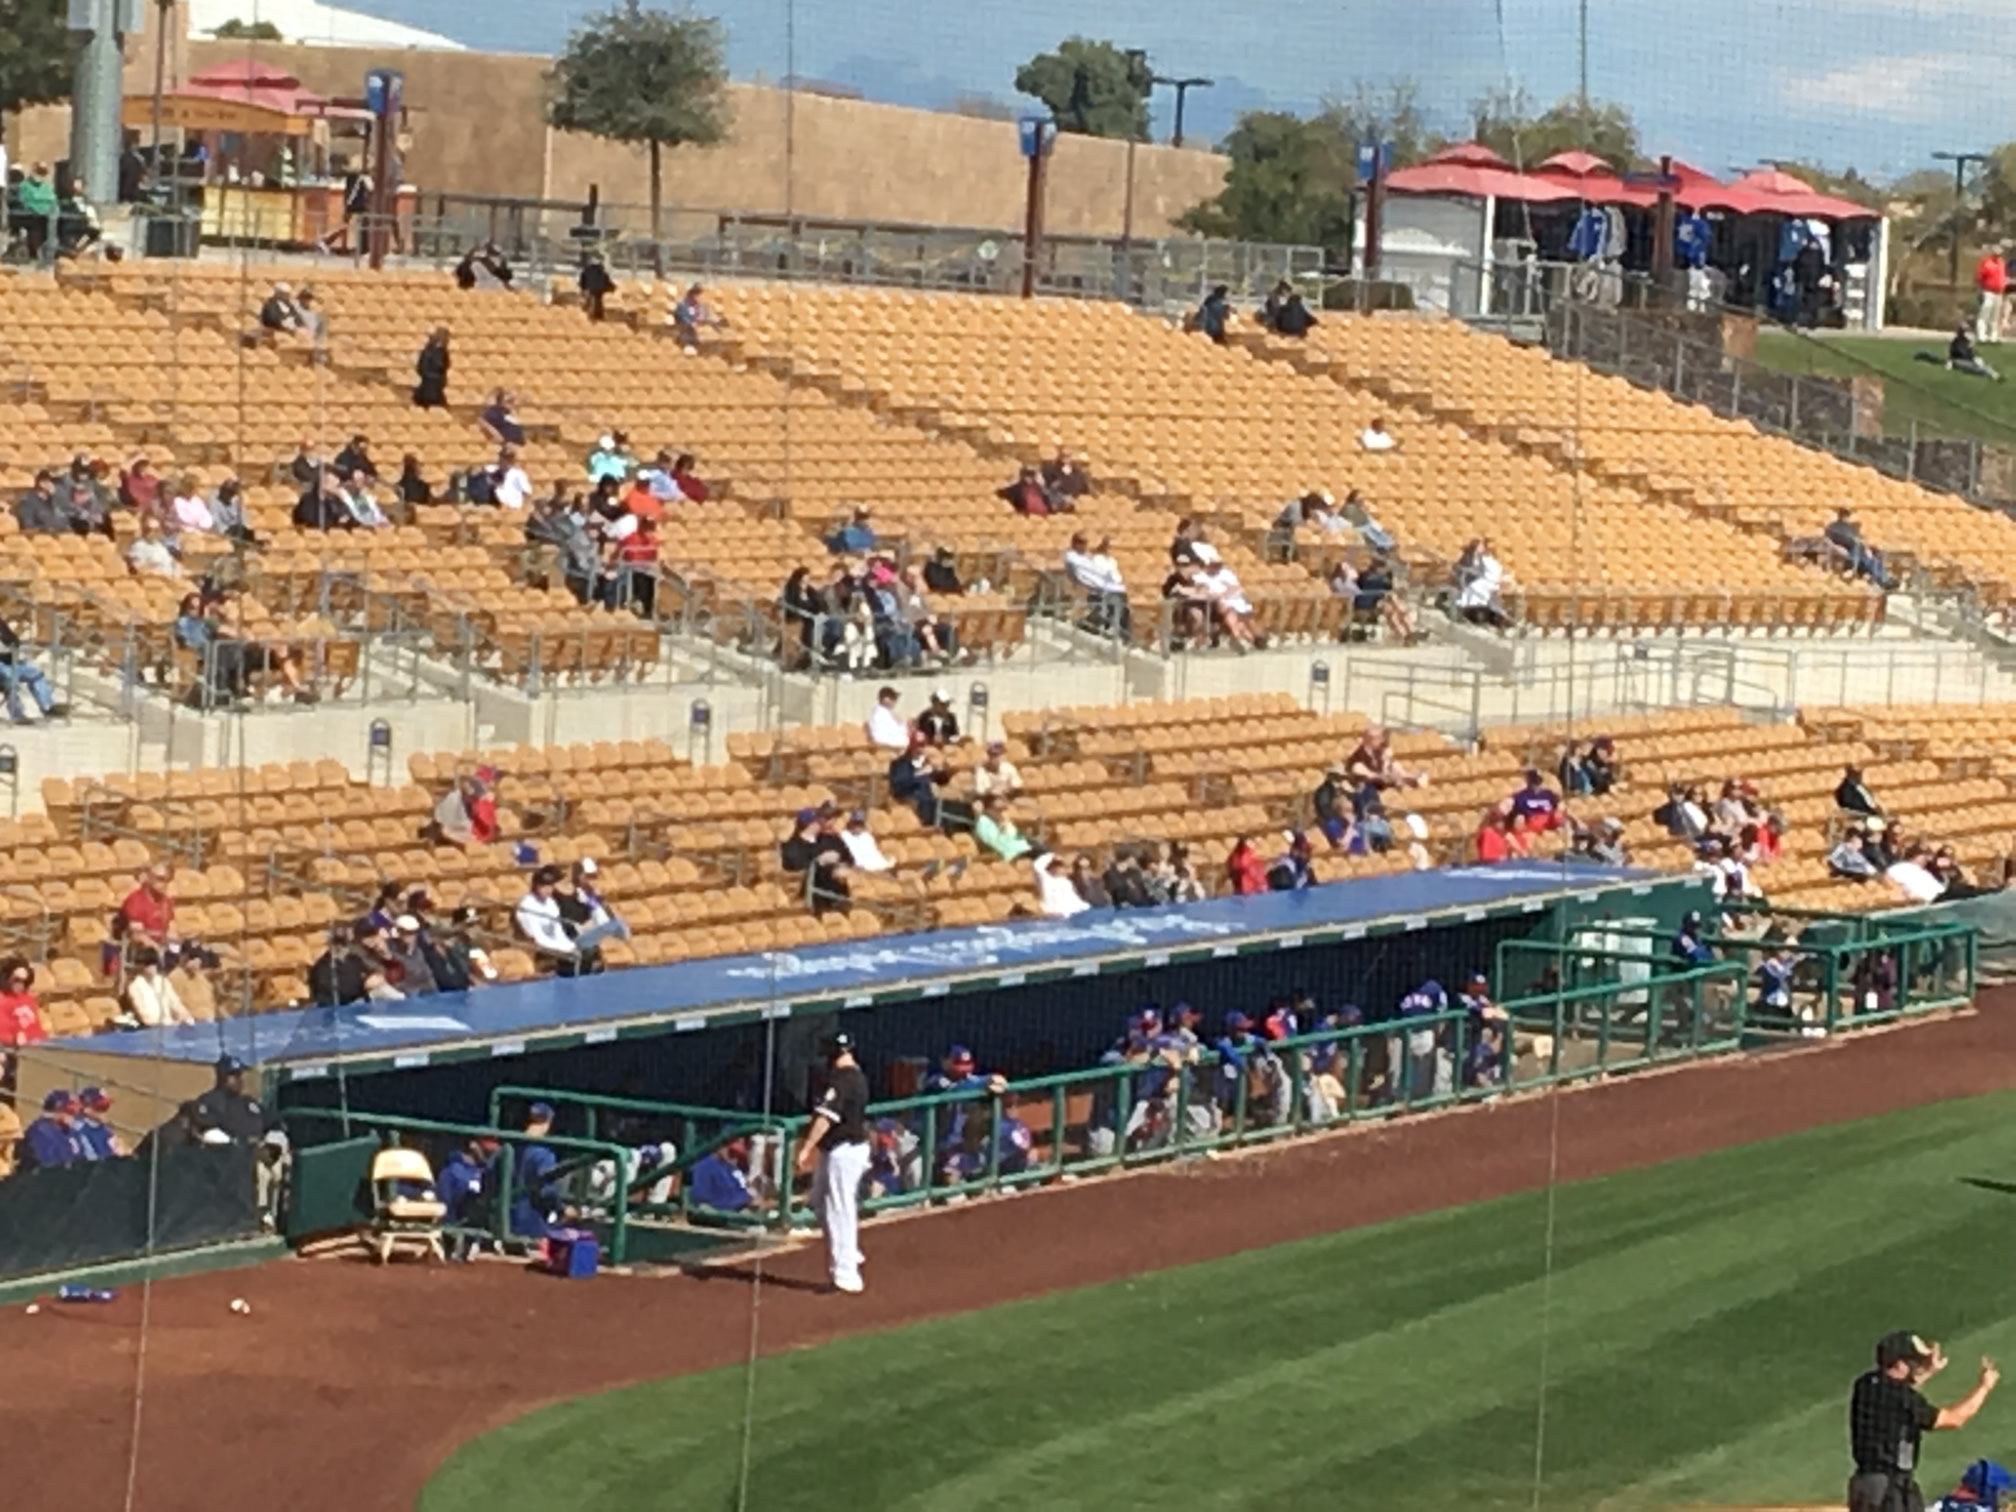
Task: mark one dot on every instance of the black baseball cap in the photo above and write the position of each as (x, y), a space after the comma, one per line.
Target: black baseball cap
(1902, 1348)
(840, 1044)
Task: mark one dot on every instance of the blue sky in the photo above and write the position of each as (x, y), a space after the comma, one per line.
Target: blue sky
(1878, 84)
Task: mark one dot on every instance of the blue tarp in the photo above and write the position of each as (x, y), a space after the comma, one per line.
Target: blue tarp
(736, 983)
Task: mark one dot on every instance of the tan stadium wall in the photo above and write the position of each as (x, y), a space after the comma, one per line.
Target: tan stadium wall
(479, 129)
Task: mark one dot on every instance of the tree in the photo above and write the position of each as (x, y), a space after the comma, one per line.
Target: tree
(248, 31)
(34, 54)
(1092, 88)
(637, 75)
(1289, 180)
(1506, 123)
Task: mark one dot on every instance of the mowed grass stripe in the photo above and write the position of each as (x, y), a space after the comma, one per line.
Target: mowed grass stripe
(1706, 1316)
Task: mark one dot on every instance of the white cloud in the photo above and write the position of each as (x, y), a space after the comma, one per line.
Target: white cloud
(1915, 88)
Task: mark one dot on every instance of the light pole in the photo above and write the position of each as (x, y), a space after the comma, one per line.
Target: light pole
(1137, 65)
(1182, 88)
(1961, 161)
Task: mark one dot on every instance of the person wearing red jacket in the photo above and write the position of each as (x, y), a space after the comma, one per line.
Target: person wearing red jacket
(1246, 868)
(1991, 280)
(20, 1014)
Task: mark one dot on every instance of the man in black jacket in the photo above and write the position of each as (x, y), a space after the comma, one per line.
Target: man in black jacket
(337, 977)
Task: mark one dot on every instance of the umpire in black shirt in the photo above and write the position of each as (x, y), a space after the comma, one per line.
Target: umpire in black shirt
(1887, 1416)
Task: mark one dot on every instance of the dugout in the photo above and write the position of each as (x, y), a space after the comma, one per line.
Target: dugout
(1032, 998)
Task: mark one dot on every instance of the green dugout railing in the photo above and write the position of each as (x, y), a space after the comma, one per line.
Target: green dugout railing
(1839, 984)
(1137, 1113)
(701, 1131)
(327, 1176)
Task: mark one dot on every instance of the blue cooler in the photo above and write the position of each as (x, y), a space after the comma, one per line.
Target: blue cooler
(573, 1253)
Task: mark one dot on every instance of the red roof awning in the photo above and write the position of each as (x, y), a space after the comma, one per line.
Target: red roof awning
(1474, 171)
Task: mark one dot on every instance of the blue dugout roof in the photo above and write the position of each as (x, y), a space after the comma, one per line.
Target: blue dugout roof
(551, 1014)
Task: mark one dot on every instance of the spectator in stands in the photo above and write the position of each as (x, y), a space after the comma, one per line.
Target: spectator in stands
(1372, 764)
(355, 493)
(467, 814)
(941, 573)
(484, 267)
(1536, 806)
(190, 511)
(1066, 480)
(995, 830)
(1858, 557)
(1736, 808)
(1029, 495)
(1172, 876)
(1099, 577)
(38, 513)
(1850, 858)
(1088, 885)
(1480, 586)
(413, 487)
(803, 608)
(432, 367)
(693, 488)
(96, 1138)
(915, 778)
(1376, 599)
(566, 951)
(140, 489)
(1880, 844)
(20, 1011)
(1270, 307)
(1330, 801)
(1214, 316)
(84, 498)
(1722, 858)
(936, 638)
(691, 315)
(996, 775)
(322, 505)
(811, 838)
(596, 285)
(1191, 609)
(864, 851)
(1603, 843)
(1295, 869)
(1191, 545)
(279, 316)
(407, 966)
(1125, 881)
(152, 998)
(856, 537)
(611, 461)
(1246, 868)
(499, 419)
(147, 916)
(18, 671)
(192, 984)
(1294, 317)
(887, 728)
(1684, 813)
(355, 458)
(150, 555)
(630, 571)
(1593, 773)
(1497, 836)
(1371, 831)
(938, 724)
(1376, 438)
(50, 1142)
(1231, 608)
(1853, 794)
(227, 513)
(314, 327)
(39, 205)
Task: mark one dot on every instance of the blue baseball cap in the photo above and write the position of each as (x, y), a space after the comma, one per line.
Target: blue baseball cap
(1235, 1021)
(959, 1053)
(229, 1065)
(541, 1111)
(59, 1101)
(1184, 1013)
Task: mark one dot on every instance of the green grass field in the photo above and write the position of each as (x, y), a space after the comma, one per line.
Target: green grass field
(1938, 402)
(1703, 1322)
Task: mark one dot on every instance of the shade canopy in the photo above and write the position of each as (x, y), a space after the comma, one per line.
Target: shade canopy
(244, 96)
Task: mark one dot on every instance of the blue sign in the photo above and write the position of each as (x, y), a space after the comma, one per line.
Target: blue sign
(384, 91)
(1374, 159)
(1039, 134)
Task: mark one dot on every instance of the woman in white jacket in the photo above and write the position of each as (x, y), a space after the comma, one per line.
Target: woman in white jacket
(151, 996)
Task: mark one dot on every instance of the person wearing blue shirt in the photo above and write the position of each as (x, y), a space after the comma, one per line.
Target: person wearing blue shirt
(1419, 1045)
(1688, 948)
(460, 1185)
(856, 537)
(1774, 982)
(538, 1196)
(718, 1180)
(96, 1139)
(611, 460)
(50, 1142)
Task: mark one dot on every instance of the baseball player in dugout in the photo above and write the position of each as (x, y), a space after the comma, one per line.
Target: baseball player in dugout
(835, 1151)
(1888, 1415)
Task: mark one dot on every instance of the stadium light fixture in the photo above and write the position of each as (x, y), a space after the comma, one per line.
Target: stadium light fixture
(1961, 162)
(1182, 88)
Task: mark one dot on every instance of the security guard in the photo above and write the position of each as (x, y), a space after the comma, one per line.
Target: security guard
(226, 1107)
(1887, 1416)
(835, 1149)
